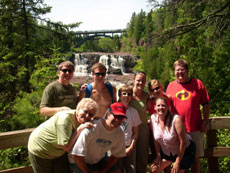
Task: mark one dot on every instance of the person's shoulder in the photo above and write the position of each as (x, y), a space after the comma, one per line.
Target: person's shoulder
(133, 110)
(52, 84)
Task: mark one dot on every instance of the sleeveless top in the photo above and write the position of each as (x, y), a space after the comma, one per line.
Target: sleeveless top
(168, 139)
(141, 107)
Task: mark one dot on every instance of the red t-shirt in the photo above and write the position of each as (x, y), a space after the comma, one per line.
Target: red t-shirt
(186, 99)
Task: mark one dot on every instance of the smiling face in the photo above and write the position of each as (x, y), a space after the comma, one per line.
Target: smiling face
(65, 74)
(113, 121)
(99, 75)
(139, 81)
(156, 90)
(181, 73)
(85, 114)
(161, 107)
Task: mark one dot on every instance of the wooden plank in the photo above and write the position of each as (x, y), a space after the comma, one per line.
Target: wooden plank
(219, 123)
(217, 152)
(15, 138)
(24, 169)
(213, 165)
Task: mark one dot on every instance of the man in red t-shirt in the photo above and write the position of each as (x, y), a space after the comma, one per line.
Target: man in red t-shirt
(187, 94)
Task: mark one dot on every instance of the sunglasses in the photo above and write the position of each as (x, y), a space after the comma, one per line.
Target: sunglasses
(118, 117)
(140, 72)
(99, 74)
(126, 94)
(155, 89)
(65, 70)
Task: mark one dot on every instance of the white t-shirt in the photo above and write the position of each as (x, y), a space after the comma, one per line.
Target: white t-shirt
(128, 124)
(93, 143)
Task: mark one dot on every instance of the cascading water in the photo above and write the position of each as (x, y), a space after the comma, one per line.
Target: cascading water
(114, 62)
(80, 66)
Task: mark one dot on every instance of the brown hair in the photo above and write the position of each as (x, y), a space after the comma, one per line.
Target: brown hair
(98, 65)
(125, 88)
(169, 115)
(182, 63)
(139, 72)
(65, 63)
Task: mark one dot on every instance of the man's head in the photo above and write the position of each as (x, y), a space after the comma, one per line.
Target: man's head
(115, 115)
(85, 110)
(98, 71)
(65, 72)
(181, 70)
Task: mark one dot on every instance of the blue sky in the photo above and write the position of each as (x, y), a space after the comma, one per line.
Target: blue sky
(95, 14)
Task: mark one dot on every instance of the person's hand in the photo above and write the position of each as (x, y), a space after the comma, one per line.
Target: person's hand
(83, 87)
(176, 167)
(156, 164)
(85, 125)
(64, 108)
(204, 126)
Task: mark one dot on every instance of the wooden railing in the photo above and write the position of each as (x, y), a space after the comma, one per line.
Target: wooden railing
(212, 152)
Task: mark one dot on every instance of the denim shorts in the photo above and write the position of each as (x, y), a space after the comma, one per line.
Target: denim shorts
(95, 167)
(188, 158)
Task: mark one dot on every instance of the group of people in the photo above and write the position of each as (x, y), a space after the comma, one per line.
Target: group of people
(97, 132)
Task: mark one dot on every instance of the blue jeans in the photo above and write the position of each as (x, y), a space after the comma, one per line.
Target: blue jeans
(95, 167)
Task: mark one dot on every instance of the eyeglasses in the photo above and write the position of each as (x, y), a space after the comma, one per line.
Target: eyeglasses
(155, 89)
(99, 74)
(87, 112)
(140, 72)
(65, 70)
(126, 94)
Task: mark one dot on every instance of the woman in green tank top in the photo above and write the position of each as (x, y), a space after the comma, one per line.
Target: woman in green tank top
(139, 101)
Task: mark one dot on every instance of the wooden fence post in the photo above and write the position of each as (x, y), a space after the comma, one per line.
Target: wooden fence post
(213, 166)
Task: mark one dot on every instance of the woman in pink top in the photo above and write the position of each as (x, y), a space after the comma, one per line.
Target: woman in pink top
(172, 143)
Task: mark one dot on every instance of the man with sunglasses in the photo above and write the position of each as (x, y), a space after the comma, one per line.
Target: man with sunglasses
(90, 150)
(61, 94)
(100, 91)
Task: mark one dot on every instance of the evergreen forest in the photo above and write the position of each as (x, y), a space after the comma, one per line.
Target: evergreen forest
(31, 47)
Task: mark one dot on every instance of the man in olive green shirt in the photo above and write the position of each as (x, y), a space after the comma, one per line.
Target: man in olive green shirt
(61, 94)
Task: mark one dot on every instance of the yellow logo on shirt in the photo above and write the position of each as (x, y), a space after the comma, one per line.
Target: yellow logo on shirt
(183, 95)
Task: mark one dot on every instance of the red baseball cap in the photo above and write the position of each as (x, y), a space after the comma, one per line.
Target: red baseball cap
(118, 109)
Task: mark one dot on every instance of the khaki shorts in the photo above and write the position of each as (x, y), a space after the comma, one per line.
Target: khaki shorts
(198, 139)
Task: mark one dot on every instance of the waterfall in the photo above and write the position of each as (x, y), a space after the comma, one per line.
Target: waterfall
(80, 66)
(115, 64)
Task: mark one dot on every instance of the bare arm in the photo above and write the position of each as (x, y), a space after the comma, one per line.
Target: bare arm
(80, 162)
(75, 135)
(134, 141)
(206, 112)
(114, 94)
(50, 111)
(82, 93)
(180, 129)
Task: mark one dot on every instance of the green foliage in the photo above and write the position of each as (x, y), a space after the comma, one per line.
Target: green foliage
(13, 157)
(26, 110)
(106, 44)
